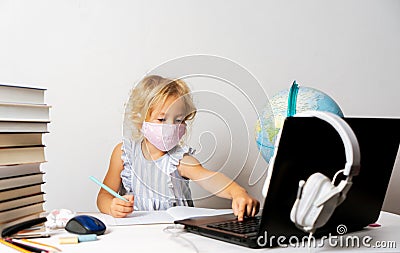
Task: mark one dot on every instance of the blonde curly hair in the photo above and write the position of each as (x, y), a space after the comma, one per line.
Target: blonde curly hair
(154, 90)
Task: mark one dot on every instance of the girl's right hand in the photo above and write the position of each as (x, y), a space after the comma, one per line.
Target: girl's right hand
(120, 208)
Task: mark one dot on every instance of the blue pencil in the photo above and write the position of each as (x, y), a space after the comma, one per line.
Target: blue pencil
(105, 187)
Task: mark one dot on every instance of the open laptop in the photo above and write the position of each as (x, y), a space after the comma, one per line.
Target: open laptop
(310, 145)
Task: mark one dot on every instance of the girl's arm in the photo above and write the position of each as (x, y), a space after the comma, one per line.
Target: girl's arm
(220, 185)
(105, 201)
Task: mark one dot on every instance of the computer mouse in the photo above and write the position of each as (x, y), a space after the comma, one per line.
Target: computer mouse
(85, 224)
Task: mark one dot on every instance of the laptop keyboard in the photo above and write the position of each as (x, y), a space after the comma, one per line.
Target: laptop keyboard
(249, 225)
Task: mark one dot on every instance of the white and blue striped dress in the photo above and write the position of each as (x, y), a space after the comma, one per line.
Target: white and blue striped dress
(155, 185)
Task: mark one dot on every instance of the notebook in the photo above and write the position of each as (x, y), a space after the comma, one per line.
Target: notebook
(307, 146)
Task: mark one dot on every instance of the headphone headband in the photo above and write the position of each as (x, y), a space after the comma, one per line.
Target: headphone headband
(352, 149)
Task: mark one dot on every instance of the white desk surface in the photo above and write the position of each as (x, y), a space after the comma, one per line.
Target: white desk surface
(152, 238)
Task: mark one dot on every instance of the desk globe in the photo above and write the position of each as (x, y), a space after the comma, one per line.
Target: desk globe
(287, 103)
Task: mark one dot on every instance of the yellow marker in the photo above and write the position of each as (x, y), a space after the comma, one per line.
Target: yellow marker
(68, 240)
(77, 239)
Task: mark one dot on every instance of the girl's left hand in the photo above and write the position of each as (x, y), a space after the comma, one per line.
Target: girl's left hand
(243, 204)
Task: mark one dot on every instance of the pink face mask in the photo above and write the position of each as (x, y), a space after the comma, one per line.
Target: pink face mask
(163, 136)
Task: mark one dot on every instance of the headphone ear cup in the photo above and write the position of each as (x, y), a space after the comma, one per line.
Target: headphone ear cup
(304, 212)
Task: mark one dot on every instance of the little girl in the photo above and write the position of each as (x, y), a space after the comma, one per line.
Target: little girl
(151, 167)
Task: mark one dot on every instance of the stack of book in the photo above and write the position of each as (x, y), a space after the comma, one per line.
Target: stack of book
(23, 120)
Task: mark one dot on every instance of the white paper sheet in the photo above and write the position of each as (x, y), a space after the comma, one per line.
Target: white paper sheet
(162, 217)
(140, 217)
(184, 212)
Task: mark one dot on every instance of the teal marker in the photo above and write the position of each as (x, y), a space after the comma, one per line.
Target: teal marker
(105, 187)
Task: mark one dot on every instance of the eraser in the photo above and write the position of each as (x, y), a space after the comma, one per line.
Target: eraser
(87, 238)
(68, 240)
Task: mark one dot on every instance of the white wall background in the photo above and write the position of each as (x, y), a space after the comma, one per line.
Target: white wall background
(89, 54)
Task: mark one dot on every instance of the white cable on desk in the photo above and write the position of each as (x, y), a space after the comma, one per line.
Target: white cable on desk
(169, 230)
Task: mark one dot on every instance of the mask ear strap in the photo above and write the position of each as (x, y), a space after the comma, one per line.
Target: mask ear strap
(292, 99)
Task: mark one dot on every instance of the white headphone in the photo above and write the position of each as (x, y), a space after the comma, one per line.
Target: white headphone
(318, 197)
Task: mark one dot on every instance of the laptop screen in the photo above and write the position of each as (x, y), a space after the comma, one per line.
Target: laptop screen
(310, 145)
